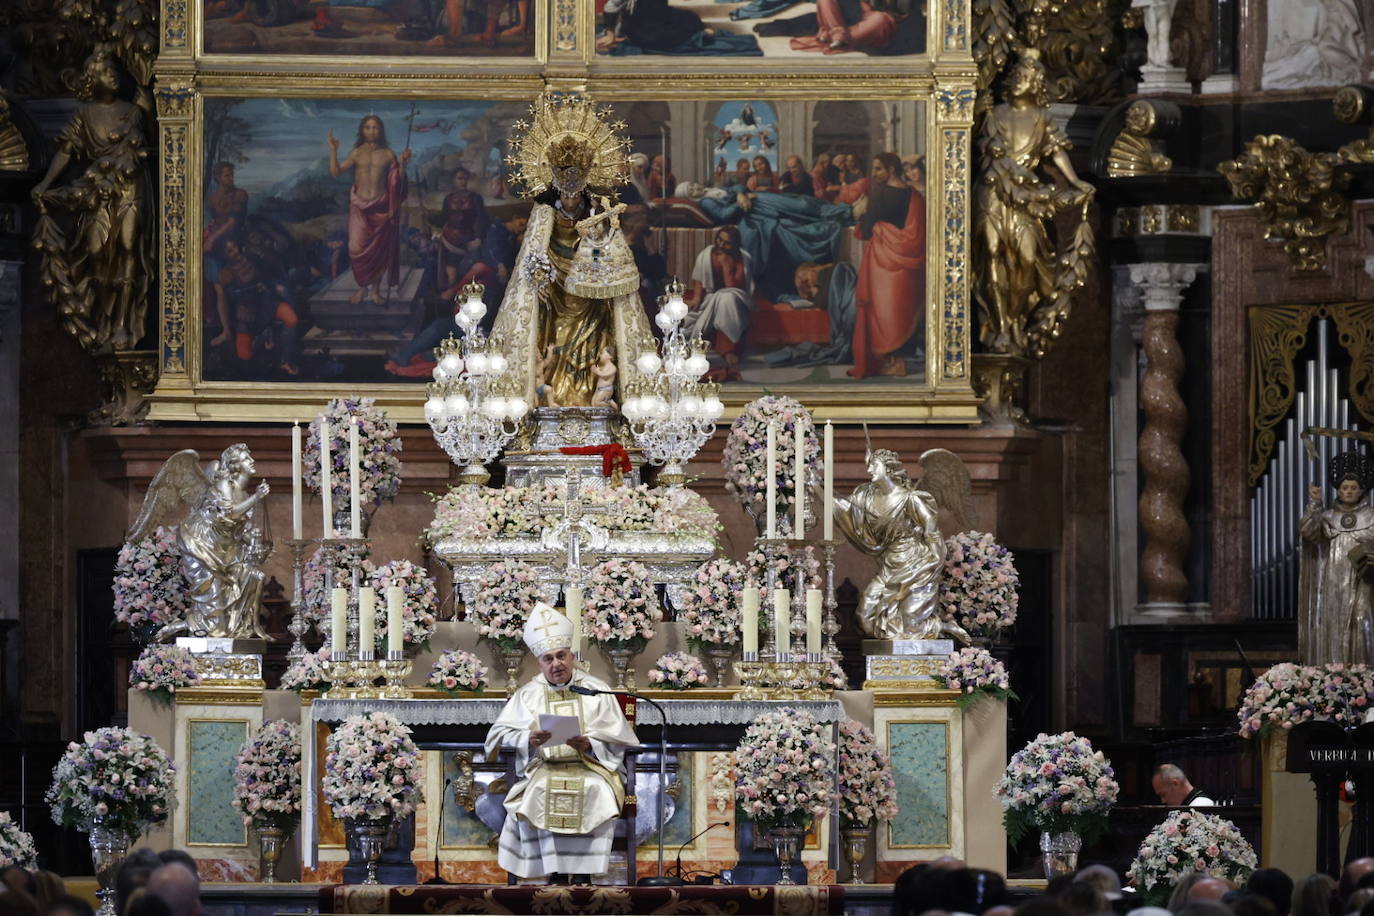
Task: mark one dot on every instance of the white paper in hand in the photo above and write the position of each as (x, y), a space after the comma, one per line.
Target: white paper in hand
(560, 728)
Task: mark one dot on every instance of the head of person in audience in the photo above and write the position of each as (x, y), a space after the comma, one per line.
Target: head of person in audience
(1354, 872)
(178, 886)
(18, 878)
(1313, 895)
(50, 886)
(133, 873)
(67, 905)
(1273, 885)
(143, 902)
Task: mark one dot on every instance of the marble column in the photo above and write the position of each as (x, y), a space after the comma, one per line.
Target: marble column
(1160, 452)
(1128, 318)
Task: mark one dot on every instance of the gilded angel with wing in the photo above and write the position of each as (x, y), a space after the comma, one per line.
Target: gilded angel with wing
(893, 519)
(222, 537)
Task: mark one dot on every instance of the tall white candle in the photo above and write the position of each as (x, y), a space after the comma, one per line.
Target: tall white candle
(750, 613)
(572, 603)
(782, 622)
(813, 621)
(326, 480)
(799, 481)
(367, 619)
(296, 522)
(338, 621)
(771, 495)
(354, 501)
(395, 619)
(828, 532)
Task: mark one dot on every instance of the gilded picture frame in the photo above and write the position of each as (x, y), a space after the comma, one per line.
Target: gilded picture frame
(940, 84)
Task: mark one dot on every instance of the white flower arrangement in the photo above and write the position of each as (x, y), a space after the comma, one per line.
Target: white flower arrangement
(117, 778)
(506, 594)
(835, 678)
(1190, 841)
(160, 670)
(149, 589)
(379, 447)
(678, 671)
(709, 607)
(457, 670)
(1287, 694)
(313, 579)
(784, 770)
(16, 846)
(372, 769)
(758, 565)
(620, 607)
(418, 611)
(978, 588)
(267, 776)
(868, 790)
(745, 457)
(1057, 784)
(307, 672)
(976, 675)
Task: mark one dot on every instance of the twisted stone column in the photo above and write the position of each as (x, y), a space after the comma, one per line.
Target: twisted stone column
(1161, 457)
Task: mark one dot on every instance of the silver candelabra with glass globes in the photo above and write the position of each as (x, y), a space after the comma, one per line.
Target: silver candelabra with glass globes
(672, 412)
(470, 417)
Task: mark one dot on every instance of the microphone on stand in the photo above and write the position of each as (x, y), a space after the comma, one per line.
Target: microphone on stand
(439, 835)
(709, 827)
(661, 880)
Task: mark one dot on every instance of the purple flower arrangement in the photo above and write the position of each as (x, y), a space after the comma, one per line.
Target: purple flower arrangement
(372, 769)
(868, 790)
(975, 674)
(160, 670)
(379, 470)
(745, 457)
(267, 776)
(784, 770)
(506, 594)
(307, 672)
(149, 589)
(620, 607)
(1287, 694)
(1057, 784)
(709, 605)
(978, 589)
(117, 778)
(458, 670)
(1190, 841)
(16, 846)
(678, 671)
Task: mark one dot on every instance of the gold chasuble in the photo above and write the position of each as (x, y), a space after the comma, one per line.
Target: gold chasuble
(561, 816)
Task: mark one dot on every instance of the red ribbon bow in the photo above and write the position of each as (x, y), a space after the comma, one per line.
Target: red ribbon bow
(613, 456)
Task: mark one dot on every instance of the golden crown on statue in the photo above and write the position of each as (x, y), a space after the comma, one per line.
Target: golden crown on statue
(569, 143)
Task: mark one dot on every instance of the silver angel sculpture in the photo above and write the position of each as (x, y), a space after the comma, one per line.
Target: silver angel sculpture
(221, 532)
(899, 523)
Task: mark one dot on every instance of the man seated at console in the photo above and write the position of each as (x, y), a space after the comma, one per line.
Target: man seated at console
(561, 815)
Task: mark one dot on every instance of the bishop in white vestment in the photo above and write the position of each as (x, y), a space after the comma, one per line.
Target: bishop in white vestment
(561, 815)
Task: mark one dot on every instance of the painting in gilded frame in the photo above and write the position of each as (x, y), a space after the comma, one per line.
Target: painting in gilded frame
(336, 233)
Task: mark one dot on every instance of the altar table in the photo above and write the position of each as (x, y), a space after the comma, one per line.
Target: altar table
(553, 900)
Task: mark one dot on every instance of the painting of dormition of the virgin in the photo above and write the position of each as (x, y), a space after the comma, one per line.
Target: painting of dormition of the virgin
(338, 233)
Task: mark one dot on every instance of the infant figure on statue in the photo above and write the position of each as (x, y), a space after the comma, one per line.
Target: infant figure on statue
(560, 816)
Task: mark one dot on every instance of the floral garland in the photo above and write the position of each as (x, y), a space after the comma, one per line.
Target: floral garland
(160, 670)
(709, 607)
(506, 594)
(978, 589)
(1057, 784)
(1190, 841)
(267, 776)
(379, 449)
(1287, 694)
(868, 790)
(678, 671)
(149, 589)
(784, 770)
(975, 674)
(307, 672)
(16, 846)
(620, 607)
(417, 612)
(745, 457)
(458, 670)
(372, 768)
(313, 579)
(117, 778)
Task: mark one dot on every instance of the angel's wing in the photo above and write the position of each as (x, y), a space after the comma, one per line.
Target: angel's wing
(176, 489)
(944, 477)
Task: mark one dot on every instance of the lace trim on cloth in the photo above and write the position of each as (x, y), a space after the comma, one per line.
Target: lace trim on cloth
(484, 711)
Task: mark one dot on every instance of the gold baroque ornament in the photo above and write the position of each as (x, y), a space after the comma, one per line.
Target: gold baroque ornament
(1079, 49)
(1277, 333)
(568, 141)
(565, 25)
(955, 303)
(1355, 326)
(14, 152)
(1133, 152)
(174, 281)
(1298, 194)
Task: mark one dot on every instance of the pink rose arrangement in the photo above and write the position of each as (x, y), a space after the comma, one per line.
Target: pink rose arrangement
(1057, 784)
(868, 790)
(372, 768)
(835, 678)
(314, 579)
(1287, 694)
(678, 671)
(16, 845)
(484, 512)
(978, 589)
(619, 607)
(267, 776)
(149, 589)
(785, 770)
(1190, 841)
(505, 595)
(708, 606)
(975, 674)
(159, 670)
(419, 608)
(379, 458)
(745, 457)
(458, 670)
(307, 672)
(116, 778)
(758, 565)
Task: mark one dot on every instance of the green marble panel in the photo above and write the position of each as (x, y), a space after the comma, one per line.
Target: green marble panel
(211, 819)
(920, 765)
(461, 828)
(679, 827)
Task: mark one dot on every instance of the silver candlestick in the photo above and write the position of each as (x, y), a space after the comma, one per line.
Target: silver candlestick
(299, 625)
(830, 626)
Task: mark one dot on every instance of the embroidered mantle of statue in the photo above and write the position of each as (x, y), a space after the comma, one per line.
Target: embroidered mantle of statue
(1334, 587)
(223, 537)
(572, 308)
(900, 523)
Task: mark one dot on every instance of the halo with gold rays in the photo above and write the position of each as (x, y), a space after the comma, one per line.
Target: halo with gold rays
(554, 116)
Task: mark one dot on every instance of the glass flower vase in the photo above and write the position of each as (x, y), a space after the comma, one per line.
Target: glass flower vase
(786, 841)
(1060, 853)
(109, 848)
